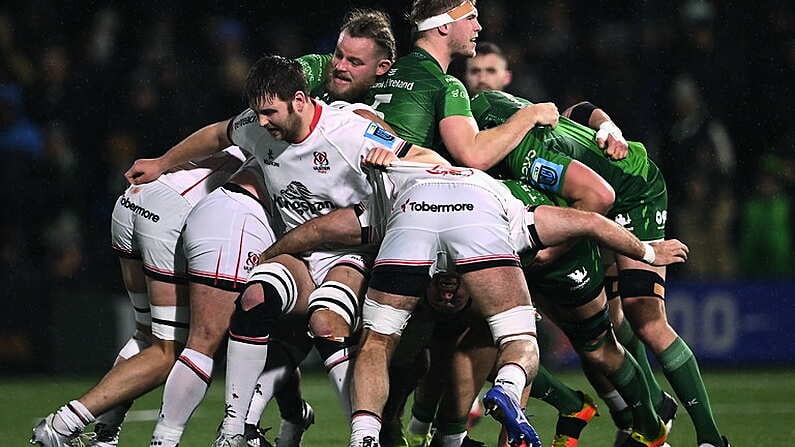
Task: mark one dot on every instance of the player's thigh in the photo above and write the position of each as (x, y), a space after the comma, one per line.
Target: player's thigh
(132, 273)
(496, 289)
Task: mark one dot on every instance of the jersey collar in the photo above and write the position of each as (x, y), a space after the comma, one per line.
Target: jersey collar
(422, 53)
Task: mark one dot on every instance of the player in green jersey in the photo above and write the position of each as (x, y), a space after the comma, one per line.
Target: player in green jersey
(425, 106)
(543, 159)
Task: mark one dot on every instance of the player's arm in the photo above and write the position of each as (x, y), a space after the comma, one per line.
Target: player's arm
(554, 225)
(586, 190)
(608, 136)
(484, 149)
(340, 227)
(202, 143)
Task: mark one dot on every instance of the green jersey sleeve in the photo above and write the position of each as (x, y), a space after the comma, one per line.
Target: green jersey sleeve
(315, 66)
(455, 99)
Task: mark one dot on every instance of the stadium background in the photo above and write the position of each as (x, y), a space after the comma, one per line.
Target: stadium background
(86, 87)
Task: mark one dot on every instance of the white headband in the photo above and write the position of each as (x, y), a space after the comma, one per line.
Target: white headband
(460, 12)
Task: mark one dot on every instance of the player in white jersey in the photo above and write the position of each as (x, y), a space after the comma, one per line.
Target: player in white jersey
(454, 196)
(310, 154)
(145, 232)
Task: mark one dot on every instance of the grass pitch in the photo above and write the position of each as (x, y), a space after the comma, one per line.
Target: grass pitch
(755, 408)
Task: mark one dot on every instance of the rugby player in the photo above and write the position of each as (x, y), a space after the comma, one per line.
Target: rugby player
(307, 151)
(542, 160)
(145, 232)
(365, 49)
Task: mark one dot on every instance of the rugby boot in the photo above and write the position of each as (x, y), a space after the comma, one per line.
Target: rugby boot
(667, 410)
(105, 436)
(569, 426)
(45, 435)
(636, 439)
(255, 436)
(290, 433)
(227, 440)
(725, 443)
(507, 411)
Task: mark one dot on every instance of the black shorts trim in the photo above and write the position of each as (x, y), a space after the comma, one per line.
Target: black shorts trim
(234, 187)
(142, 310)
(218, 283)
(482, 265)
(126, 254)
(406, 280)
(162, 277)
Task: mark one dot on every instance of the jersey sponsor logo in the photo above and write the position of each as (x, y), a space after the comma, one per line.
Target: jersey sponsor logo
(246, 120)
(252, 260)
(426, 207)
(139, 210)
(320, 162)
(546, 175)
(450, 170)
(380, 135)
(579, 277)
(661, 217)
(268, 160)
(298, 198)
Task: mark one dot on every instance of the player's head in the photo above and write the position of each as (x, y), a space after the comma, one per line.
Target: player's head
(455, 21)
(445, 294)
(488, 70)
(276, 90)
(365, 50)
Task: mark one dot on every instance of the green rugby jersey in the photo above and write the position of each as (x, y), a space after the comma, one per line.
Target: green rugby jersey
(315, 67)
(544, 154)
(415, 95)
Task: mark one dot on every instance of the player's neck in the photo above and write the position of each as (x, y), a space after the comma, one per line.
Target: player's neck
(308, 120)
(438, 50)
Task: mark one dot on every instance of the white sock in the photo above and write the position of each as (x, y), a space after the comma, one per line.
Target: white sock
(269, 381)
(453, 440)
(614, 401)
(244, 363)
(165, 436)
(418, 427)
(339, 374)
(72, 418)
(512, 378)
(362, 426)
(185, 388)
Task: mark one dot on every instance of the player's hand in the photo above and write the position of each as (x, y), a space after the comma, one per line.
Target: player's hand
(545, 114)
(610, 138)
(668, 252)
(380, 157)
(144, 170)
(549, 255)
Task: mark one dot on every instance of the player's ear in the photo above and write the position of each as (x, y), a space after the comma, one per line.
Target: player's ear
(383, 66)
(299, 101)
(508, 77)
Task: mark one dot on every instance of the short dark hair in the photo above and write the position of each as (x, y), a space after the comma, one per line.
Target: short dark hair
(484, 48)
(372, 24)
(423, 9)
(274, 76)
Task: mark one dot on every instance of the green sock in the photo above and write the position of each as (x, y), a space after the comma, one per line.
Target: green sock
(451, 427)
(554, 392)
(422, 411)
(626, 336)
(629, 383)
(680, 367)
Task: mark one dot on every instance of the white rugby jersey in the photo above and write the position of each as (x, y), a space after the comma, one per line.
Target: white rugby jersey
(403, 176)
(320, 173)
(195, 179)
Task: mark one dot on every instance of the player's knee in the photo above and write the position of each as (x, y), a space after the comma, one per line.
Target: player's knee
(342, 306)
(270, 282)
(170, 323)
(384, 319)
(590, 336)
(255, 322)
(515, 324)
(640, 283)
(649, 330)
(134, 345)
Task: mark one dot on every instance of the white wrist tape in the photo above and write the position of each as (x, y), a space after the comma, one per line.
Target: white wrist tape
(609, 128)
(649, 256)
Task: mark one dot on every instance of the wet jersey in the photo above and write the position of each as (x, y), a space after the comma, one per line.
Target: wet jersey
(414, 95)
(320, 173)
(543, 156)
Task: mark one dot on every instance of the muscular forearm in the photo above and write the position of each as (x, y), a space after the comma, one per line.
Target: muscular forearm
(202, 143)
(490, 146)
(339, 228)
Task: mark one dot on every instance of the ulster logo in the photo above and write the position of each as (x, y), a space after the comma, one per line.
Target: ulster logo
(320, 161)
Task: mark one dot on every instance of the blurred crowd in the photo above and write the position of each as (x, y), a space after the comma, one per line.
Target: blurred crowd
(86, 87)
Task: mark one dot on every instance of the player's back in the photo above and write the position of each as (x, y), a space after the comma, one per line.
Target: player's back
(196, 179)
